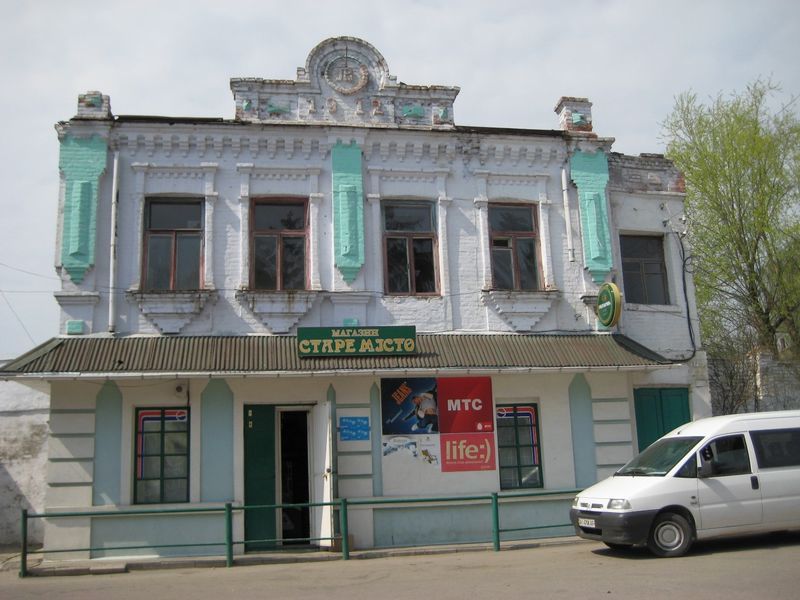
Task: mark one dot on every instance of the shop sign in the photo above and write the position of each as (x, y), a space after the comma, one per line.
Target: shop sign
(609, 304)
(356, 341)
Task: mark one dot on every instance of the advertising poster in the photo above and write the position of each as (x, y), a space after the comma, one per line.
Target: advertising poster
(446, 423)
(409, 406)
(467, 452)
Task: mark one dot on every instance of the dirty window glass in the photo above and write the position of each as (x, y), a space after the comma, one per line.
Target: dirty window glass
(409, 248)
(162, 455)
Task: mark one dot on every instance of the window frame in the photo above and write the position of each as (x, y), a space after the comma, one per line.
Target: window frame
(535, 445)
(410, 237)
(175, 234)
(534, 234)
(279, 234)
(642, 275)
(138, 453)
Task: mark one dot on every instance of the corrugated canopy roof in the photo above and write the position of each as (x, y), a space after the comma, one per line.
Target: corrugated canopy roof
(274, 355)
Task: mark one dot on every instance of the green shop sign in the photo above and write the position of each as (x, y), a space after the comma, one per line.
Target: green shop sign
(356, 341)
(609, 304)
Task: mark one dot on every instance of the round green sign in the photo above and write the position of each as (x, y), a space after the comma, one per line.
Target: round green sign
(609, 304)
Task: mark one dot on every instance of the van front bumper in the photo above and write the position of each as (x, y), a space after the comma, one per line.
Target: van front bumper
(628, 528)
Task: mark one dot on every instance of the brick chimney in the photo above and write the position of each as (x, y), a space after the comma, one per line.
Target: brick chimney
(574, 114)
(93, 105)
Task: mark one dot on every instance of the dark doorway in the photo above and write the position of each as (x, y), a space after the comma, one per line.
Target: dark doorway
(294, 476)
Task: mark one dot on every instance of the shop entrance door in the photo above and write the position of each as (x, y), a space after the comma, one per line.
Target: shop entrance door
(294, 476)
(275, 472)
(259, 476)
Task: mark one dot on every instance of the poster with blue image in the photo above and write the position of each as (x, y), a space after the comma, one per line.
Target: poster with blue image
(409, 406)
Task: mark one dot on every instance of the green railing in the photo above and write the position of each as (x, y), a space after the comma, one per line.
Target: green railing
(493, 499)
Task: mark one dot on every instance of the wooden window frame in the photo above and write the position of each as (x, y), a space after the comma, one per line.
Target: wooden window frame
(280, 234)
(409, 237)
(174, 233)
(513, 236)
(641, 261)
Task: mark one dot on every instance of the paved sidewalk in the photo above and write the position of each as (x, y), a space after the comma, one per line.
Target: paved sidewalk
(38, 566)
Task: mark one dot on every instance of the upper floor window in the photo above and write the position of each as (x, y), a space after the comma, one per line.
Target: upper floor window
(173, 244)
(278, 245)
(410, 248)
(644, 272)
(514, 240)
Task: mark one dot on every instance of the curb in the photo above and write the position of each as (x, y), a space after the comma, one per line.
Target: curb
(41, 568)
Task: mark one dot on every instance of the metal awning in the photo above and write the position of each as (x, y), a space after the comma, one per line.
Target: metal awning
(271, 356)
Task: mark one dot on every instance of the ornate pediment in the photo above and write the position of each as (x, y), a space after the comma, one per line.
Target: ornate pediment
(345, 81)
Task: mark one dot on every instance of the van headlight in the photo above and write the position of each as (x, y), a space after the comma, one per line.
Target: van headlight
(575, 501)
(619, 504)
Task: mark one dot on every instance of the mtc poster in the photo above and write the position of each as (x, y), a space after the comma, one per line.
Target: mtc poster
(446, 422)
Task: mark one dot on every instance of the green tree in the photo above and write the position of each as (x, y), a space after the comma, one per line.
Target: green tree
(740, 160)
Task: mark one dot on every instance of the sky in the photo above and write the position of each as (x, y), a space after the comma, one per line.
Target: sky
(512, 60)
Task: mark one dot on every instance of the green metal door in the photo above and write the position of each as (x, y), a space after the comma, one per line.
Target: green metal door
(658, 411)
(259, 475)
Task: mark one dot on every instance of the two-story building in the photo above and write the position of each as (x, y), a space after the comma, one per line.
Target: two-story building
(341, 293)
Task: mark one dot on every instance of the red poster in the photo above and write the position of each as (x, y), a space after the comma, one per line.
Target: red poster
(467, 452)
(465, 404)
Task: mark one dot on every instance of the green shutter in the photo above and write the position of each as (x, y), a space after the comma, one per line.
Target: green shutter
(659, 411)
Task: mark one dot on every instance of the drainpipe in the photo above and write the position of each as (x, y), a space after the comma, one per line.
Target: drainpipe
(112, 263)
(567, 217)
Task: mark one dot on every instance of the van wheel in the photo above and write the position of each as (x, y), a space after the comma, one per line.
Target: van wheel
(670, 536)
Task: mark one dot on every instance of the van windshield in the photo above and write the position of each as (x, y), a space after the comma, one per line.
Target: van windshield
(659, 457)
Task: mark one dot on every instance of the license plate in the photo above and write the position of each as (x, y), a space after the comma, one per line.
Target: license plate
(586, 523)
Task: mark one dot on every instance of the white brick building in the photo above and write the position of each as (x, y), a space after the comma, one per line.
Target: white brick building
(238, 297)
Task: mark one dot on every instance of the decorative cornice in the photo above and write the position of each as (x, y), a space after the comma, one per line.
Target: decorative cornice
(171, 311)
(521, 310)
(77, 298)
(278, 311)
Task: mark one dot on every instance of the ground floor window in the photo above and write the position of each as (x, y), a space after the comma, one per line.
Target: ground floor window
(518, 447)
(162, 455)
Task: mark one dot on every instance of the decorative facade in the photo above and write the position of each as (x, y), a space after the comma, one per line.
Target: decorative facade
(197, 256)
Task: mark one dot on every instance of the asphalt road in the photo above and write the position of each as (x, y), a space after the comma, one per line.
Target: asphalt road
(764, 567)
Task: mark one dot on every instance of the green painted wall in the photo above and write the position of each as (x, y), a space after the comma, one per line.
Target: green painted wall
(582, 423)
(590, 174)
(430, 525)
(216, 462)
(348, 209)
(108, 432)
(157, 530)
(82, 162)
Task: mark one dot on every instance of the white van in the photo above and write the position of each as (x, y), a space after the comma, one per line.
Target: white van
(714, 477)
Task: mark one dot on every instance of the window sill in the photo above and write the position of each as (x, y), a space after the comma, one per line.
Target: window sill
(279, 311)
(654, 308)
(521, 310)
(170, 311)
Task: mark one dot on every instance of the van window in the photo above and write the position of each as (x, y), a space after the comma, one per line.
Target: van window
(659, 458)
(689, 469)
(777, 448)
(727, 455)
